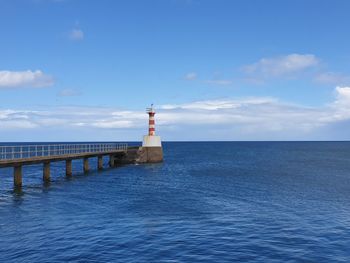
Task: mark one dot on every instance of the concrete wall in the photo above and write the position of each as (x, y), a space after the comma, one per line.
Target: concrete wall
(150, 155)
(141, 155)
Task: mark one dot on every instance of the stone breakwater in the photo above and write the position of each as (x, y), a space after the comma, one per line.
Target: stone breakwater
(138, 154)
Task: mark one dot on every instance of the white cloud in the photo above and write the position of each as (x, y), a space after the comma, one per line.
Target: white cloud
(12, 119)
(342, 103)
(218, 104)
(76, 34)
(241, 118)
(26, 79)
(288, 65)
(343, 95)
(191, 76)
(254, 114)
(113, 124)
(257, 118)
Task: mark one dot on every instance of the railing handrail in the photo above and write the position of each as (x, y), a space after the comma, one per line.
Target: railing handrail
(9, 152)
(61, 144)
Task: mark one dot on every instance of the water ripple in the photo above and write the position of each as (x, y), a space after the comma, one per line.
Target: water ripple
(250, 202)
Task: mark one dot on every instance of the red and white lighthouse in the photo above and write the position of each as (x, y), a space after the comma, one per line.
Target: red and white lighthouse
(151, 140)
(151, 122)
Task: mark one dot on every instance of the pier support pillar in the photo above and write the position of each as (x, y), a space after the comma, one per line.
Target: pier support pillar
(86, 165)
(17, 176)
(100, 162)
(46, 172)
(68, 168)
(111, 160)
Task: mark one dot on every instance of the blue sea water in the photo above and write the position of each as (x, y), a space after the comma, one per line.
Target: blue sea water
(208, 202)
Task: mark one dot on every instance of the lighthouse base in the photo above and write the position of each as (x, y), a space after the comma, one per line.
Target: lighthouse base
(150, 155)
(151, 151)
(151, 141)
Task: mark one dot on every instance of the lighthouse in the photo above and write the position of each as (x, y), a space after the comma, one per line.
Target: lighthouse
(151, 122)
(152, 144)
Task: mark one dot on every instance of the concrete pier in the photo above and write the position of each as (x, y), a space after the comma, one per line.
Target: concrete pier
(46, 172)
(69, 168)
(86, 164)
(42, 157)
(118, 155)
(17, 176)
(100, 162)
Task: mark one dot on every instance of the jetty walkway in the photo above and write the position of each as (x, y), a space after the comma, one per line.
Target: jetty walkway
(18, 155)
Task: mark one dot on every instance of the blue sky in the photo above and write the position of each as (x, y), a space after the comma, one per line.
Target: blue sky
(74, 70)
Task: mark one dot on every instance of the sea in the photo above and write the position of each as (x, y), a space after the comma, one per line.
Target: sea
(207, 202)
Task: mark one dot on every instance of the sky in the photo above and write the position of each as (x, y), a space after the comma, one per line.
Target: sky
(85, 70)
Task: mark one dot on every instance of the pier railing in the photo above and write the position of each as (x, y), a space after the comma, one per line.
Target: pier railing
(30, 151)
